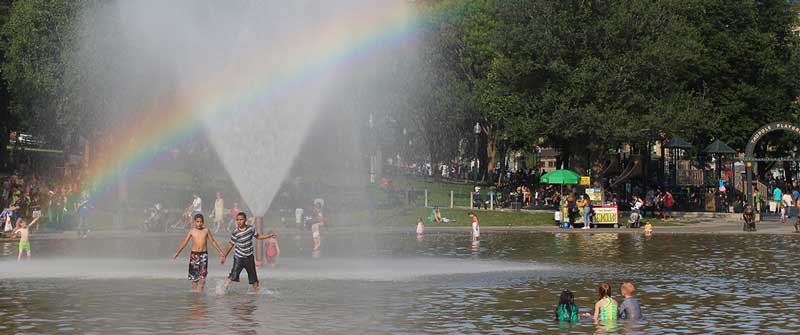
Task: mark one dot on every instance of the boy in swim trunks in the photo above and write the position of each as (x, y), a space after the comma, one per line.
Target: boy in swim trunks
(198, 261)
(24, 234)
(242, 244)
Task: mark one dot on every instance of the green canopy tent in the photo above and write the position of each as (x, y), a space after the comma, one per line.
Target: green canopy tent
(561, 177)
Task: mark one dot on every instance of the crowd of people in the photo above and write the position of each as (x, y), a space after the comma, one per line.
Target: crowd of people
(61, 204)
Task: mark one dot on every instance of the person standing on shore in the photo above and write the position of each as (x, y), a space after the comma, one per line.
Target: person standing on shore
(83, 215)
(197, 205)
(219, 211)
(777, 197)
(757, 200)
(587, 211)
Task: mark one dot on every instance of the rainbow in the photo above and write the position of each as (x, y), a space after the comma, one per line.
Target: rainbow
(138, 143)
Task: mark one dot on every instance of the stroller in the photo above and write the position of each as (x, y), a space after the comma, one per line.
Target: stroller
(154, 220)
(634, 221)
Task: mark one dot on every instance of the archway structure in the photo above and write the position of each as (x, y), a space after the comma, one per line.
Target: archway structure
(749, 158)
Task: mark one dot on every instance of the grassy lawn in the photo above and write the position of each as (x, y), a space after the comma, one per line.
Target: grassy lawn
(438, 192)
(409, 216)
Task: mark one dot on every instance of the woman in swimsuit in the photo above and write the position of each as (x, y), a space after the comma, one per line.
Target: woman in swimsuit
(606, 308)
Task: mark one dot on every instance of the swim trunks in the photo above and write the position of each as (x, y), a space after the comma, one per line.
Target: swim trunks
(198, 266)
(244, 263)
(24, 246)
(315, 234)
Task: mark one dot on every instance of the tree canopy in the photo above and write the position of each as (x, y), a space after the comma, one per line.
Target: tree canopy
(584, 76)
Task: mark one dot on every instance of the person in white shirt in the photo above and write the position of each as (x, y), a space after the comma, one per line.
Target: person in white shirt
(787, 202)
(197, 205)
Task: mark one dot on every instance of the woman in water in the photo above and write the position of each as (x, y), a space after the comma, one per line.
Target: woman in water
(606, 308)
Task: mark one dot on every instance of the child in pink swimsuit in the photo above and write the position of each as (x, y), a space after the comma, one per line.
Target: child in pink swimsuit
(273, 250)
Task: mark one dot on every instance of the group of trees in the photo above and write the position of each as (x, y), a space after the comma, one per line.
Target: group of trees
(587, 76)
(37, 91)
(583, 76)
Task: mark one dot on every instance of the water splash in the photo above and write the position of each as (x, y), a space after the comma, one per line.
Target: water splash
(369, 269)
(253, 74)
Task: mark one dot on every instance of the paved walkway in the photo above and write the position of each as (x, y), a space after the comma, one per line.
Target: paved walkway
(699, 228)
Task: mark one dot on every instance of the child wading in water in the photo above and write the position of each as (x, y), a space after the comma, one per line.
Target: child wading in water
(198, 260)
(567, 310)
(783, 213)
(24, 237)
(315, 235)
(629, 308)
(219, 211)
(273, 249)
(242, 245)
(420, 227)
(648, 228)
(476, 227)
(606, 308)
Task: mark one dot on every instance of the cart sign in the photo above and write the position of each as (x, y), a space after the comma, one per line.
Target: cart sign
(595, 194)
(602, 215)
(605, 215)
(586, 181)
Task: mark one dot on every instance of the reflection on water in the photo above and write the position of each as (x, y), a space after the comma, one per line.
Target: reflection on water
(393, 283)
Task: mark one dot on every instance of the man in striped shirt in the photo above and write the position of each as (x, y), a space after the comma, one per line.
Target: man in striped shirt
(242, 245)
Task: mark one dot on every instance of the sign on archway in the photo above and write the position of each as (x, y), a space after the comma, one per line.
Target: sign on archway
(749, 158)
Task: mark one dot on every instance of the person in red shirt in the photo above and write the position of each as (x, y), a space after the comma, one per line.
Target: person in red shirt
(669, 201)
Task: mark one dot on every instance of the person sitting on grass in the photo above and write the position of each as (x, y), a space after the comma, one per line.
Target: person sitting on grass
(436, 216)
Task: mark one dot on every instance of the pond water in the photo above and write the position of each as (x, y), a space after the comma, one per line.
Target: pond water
(393, 283)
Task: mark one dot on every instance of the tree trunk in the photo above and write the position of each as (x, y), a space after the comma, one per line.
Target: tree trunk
(491, 155)
(3, 144)
(564, 152)
(434, 162)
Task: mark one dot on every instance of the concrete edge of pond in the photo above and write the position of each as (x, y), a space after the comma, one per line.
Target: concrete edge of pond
(716, 228)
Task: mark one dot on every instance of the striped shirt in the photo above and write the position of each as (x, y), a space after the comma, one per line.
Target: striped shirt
(243, 241)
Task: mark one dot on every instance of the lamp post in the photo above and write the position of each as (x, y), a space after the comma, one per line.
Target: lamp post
(371, 124)
(405, 148)
(477, 131)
